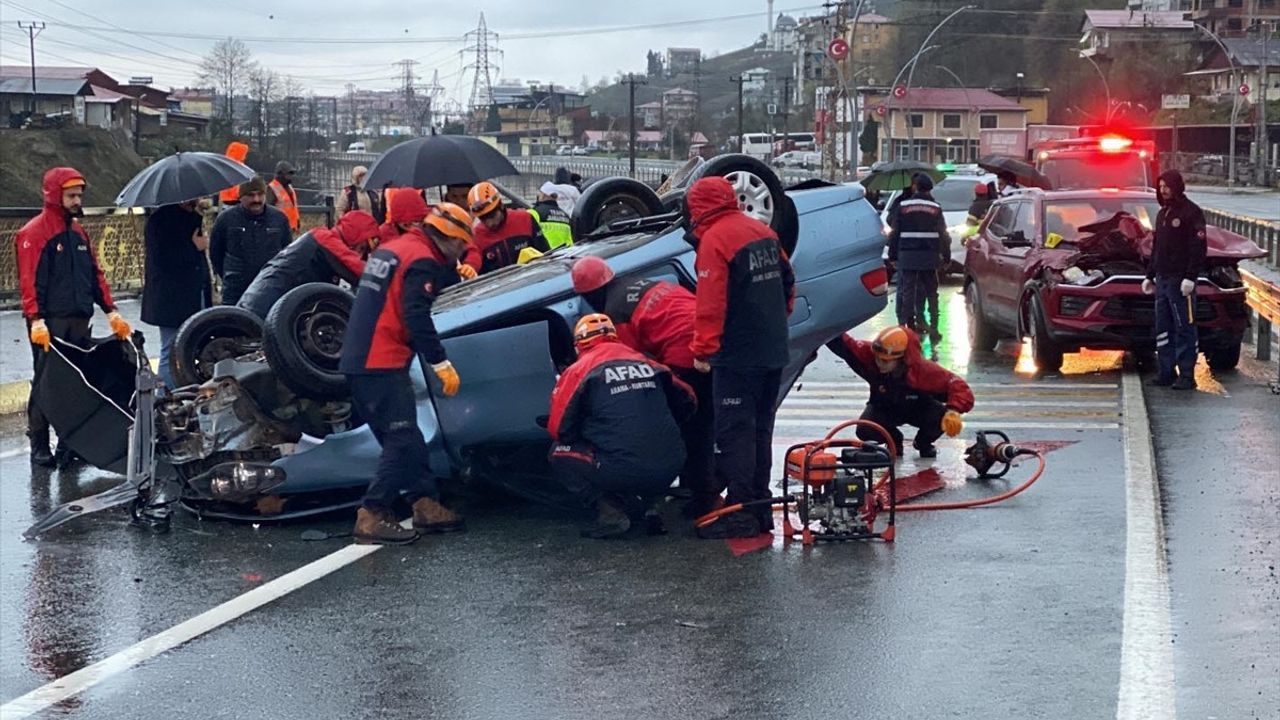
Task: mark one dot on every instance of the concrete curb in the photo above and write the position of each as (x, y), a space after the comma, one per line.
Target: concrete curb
(13, 397)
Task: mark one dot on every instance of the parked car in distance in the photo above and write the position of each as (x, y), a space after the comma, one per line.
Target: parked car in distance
(1062, 269)
(357, 147)
(802, 159)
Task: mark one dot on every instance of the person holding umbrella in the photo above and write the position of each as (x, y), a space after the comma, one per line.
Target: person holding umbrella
(919, 245)
(176, 275)
(61, 282)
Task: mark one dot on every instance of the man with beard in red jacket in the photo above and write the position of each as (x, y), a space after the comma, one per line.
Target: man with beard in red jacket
(906, 389)
(318, 255)
(615, 418)
(656, 317)
(745, 294)
(61, 282)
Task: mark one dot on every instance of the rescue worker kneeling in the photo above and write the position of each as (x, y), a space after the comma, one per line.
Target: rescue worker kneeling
(614, 420)
(390, 324)
(905, 388)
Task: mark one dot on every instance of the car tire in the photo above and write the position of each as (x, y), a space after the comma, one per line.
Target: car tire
(760, 194)
(1046, 354)
(1225, 357)
(982, 336)
(610, 199)
(303, 340)
(213, 334)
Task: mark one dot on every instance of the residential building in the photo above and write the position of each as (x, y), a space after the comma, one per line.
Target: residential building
(784, 34)
(195, 101)
(1233, 18)
(873, 44)
(681, 61)
(83, 95)
(1246, 56)
(1158, 5)
(679, 105)
(53, 96)
(755, 80)
(1034, 99)
(650, 115)
(1103, 29)
(946, 123)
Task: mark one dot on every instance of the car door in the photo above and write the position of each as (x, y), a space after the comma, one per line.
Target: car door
(982, 251)
(1005, 285)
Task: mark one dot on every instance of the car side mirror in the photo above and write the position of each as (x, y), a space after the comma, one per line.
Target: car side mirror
(1017, 238)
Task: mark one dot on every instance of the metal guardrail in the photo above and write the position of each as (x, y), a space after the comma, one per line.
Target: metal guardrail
(1263, 297)
(116, 235)
(1266, 234)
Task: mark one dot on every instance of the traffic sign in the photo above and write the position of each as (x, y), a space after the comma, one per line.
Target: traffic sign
(1175, 102)
(771, 109)
(838, 49)
(1244, 89)
(900, 91)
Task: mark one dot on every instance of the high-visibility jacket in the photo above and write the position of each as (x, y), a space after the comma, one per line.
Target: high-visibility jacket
(237, 151)
(287, 203)
(555, 223)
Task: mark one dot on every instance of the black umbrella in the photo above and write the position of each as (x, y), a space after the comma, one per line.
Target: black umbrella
(438, 160)
(897, 175)
(182, 177)
(1023, 172)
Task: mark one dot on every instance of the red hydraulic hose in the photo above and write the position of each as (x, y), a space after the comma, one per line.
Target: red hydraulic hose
(979, 502)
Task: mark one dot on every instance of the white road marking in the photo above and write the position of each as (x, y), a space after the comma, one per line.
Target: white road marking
(14, 453)
(77, 682)
(1146, 648)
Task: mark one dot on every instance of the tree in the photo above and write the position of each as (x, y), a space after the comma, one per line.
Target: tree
(265, 92)
(654, 64)
(227, 68)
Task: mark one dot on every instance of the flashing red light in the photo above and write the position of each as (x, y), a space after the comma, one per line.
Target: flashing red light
(1109, 190)
(1114, 143)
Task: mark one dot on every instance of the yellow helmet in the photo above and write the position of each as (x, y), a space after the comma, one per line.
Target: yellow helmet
(591, 329)
(891, 343)
(528, 254)
(451, 221)
(484, 199)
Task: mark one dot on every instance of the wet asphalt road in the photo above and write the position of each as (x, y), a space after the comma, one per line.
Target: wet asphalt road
(1010, 611)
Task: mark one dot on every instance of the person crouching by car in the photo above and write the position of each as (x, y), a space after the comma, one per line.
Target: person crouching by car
(1177, 258)
(501, 232)
(176, 275)
(656, 317)
(61, 281)
(391, 324)
(906, 389)
(615, 423)
(318, 255)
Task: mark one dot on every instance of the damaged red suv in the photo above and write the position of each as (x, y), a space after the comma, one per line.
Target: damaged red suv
(1065, 269)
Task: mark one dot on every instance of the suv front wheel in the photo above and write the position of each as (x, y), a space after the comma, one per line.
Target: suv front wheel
(1046, 353)
(981, 335)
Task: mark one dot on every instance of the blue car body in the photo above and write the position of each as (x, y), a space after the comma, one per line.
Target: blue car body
(508, 332)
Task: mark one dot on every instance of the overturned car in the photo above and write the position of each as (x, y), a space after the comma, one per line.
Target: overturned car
(264, 428)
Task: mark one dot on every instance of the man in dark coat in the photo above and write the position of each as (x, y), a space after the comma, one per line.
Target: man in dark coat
(1177, 257)
(176, 275)
(318, 255)
(919, 245)
(244, 238)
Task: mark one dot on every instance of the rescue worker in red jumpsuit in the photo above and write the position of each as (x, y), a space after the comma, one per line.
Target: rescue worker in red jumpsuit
(61, 282)
(391, 324)
(614, 419)
(655, 317)
(501, 232)
(906, 389)
(745, 294)
(319, 255)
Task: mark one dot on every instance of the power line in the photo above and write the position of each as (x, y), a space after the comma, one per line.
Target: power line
(61, 4)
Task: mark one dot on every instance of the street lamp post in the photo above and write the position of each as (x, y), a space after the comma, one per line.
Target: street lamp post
(1105, 85)
(911, 134)
(1235, 105)
(528, 124)
(889, 118)
(973, 110)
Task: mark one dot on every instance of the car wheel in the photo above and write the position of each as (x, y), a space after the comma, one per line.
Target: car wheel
(209, 336)
(981, 335)
(1047, 355)
(760, 194)
(1225, 357)
(611, 199)
(303, 340)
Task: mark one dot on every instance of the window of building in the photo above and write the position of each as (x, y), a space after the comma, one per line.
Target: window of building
(1235, 3)
(951, 121)
(987, 122)
(916, 120)
(1234, 24)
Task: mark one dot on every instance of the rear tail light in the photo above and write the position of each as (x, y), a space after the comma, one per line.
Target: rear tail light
(877, 281)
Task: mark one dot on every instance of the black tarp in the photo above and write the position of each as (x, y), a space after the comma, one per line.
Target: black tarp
(87, 394)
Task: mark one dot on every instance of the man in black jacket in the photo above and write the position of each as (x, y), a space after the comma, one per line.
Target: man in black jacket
(919, 244)
(176, 274)
(1177, 257)
(244, 238)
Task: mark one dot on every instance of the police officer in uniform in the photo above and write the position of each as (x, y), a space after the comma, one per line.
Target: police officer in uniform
(919, 245)
(1177, 257)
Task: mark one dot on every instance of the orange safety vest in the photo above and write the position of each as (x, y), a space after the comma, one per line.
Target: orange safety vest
(237, 151)
(286, 202)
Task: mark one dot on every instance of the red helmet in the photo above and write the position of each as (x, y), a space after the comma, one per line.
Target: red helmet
(590, 273)
(980, 189)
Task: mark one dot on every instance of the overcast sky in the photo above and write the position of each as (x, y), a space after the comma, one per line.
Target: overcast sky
(327, 68)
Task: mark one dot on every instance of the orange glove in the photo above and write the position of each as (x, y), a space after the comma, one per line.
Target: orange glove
(448, 377)
(119, 326)
(466, 272)
(40, 334)
(951, 423)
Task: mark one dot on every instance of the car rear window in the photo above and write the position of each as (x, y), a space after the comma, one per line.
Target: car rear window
(954, 194)
(1065, 217)
(1096, 170)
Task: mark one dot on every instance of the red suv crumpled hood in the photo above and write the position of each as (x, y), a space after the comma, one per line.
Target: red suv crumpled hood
(1221, 244)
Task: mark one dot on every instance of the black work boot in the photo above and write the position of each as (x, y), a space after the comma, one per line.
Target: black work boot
(64, 457)
(739, 524)
(611, 522)
(430, 517)
(1160, 381)
(928, 452)
(375, 528)
(654, 524)
(40, 454)
(1185, 382)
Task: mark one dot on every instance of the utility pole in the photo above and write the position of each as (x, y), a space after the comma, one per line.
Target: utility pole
(482, 80)
(632, 81)
(334, 118)
(288, 127)
(33, 29)
(786, 111)
(740, 80)
(1263, 142)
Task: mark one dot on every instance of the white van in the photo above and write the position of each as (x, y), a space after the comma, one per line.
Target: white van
(356, 147)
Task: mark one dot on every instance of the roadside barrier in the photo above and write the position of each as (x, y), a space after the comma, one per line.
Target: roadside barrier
(1266, 234)
(1264, 299)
